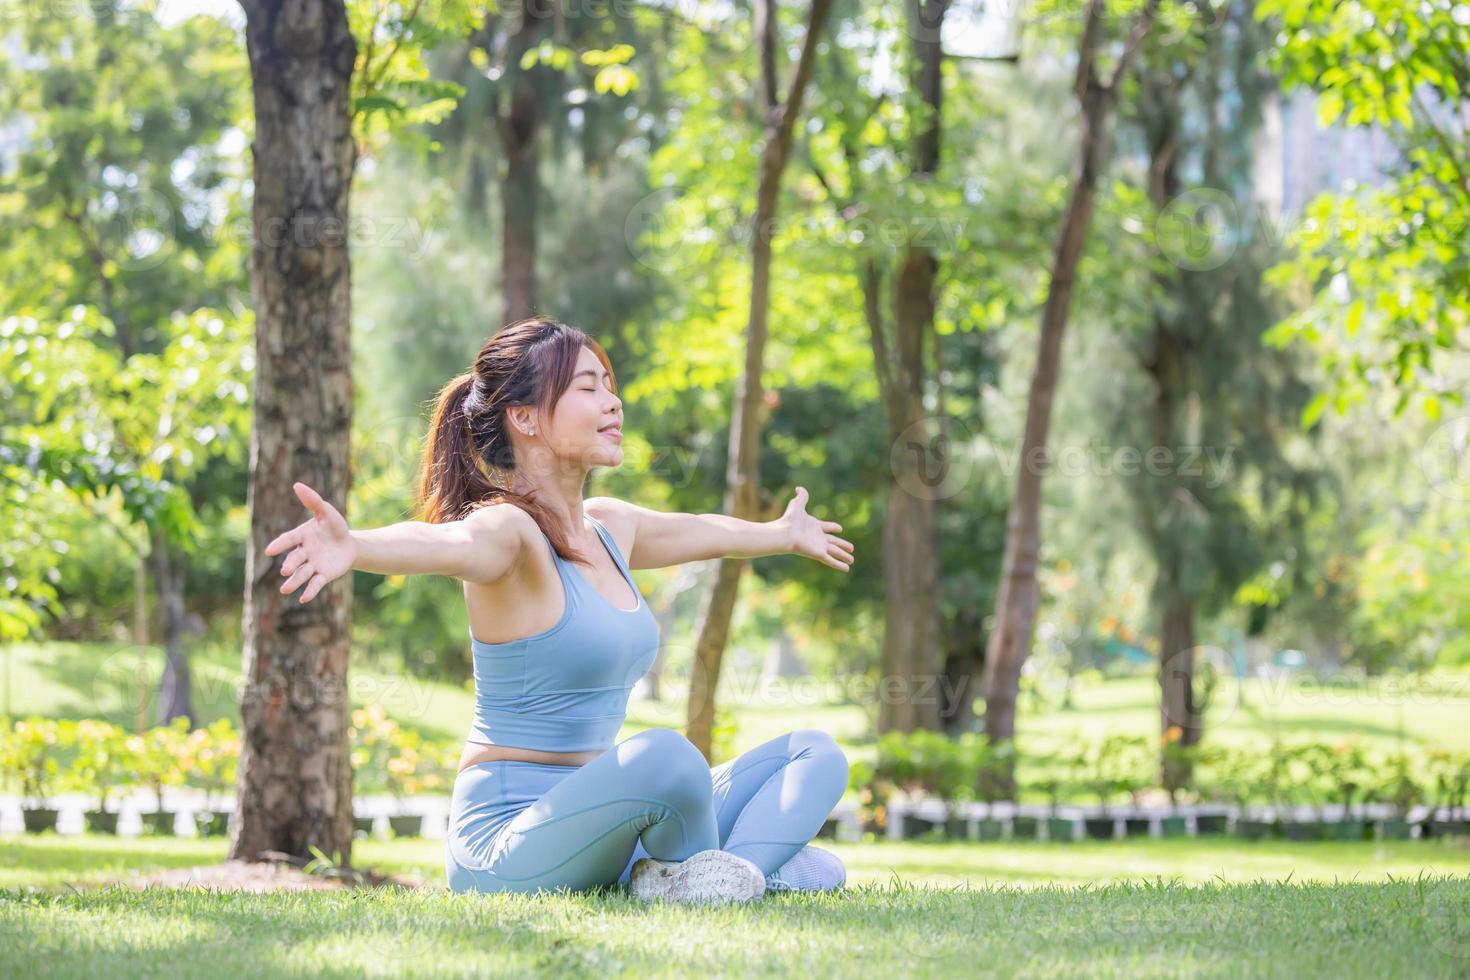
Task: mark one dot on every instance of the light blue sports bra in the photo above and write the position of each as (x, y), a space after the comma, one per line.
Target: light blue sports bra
(566, 688)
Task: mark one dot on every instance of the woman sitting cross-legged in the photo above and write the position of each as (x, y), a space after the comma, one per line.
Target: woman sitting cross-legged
(560, 633)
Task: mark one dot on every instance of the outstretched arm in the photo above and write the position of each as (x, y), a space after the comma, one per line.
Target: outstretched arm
(661, 538)
(480, 548)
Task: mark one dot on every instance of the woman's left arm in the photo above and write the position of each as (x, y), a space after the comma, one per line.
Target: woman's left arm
(661, 538)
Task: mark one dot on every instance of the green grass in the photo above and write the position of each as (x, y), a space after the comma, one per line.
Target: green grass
(1430, 710)
(1153, 908)
(51, 860)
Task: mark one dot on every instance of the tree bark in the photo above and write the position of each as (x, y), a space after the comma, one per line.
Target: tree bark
(910, 693)
(520, 124)
(1018, 595)
(742, 496)
(295, 777)
(964, 656)
(169, 571)
(1177, 708)
(1167, 365)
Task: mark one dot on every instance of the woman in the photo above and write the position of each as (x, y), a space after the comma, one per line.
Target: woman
(560, 634)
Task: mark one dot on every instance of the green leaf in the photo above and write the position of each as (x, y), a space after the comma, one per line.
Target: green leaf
(1329, 107)
(1313, 410)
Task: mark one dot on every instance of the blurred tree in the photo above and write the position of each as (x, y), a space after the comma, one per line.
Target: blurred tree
(744, 496)
(128, 177)
(1214, 431)
(1016, 602)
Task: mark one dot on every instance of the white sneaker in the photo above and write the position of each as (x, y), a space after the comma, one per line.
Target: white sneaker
(809, 869)
(707, 876)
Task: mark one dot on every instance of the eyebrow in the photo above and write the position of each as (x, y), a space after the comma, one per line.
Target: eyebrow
(591, 372)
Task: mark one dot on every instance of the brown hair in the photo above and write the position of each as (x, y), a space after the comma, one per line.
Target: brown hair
(468, 460)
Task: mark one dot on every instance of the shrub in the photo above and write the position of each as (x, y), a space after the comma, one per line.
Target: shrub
(30, 753)
(211, 755)
(104, 760)
(1451, 774)
(157, 753)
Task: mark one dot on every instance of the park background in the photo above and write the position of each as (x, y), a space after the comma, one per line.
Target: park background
(1208, 256)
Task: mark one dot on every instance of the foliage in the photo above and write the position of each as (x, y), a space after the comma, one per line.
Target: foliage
(1387, 267)
(211, 756)
(393, 93)
(30, 753)
(1302, 771)
(156, 753)
(386, 756)
(104, 760)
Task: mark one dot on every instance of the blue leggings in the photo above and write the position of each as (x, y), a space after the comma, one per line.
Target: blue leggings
(527, 826)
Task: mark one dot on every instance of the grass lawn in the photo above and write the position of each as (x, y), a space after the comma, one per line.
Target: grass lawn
(1150, 908)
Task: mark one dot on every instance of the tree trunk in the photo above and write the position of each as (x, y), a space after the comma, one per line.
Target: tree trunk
(909, 694)
(1177, 709)
(1017, 598)
(520, 125)
(742, 496)
(169, 569)
(295, 777)
(964, 656)
(1167, 364)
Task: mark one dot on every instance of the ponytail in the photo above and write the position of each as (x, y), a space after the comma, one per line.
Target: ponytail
(450, 480)
(530, 361)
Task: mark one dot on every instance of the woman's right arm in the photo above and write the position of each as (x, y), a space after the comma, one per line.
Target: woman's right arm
(480, 548)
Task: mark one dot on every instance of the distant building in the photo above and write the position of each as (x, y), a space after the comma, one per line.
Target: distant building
(1296, 158)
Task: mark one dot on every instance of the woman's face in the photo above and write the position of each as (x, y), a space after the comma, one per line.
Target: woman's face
(587, 425)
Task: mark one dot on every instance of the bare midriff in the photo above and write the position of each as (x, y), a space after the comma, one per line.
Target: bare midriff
(477, 752)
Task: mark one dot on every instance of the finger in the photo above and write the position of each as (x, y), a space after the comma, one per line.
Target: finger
(283, 541)
(831, 526)
(317, 583)
(840, 556)
(840, 542)
(311, 499)
(302, 574)
(293, 561)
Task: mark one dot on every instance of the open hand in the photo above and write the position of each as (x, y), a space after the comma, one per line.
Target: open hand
(813, 537)
(322, 548)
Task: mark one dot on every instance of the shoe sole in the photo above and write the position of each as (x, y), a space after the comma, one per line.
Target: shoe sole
(708, 876)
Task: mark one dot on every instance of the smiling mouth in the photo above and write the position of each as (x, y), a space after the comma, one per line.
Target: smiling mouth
(612, 430)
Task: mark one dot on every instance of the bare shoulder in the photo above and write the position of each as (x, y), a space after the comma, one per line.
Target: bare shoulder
(499, 533)
(618, 516)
